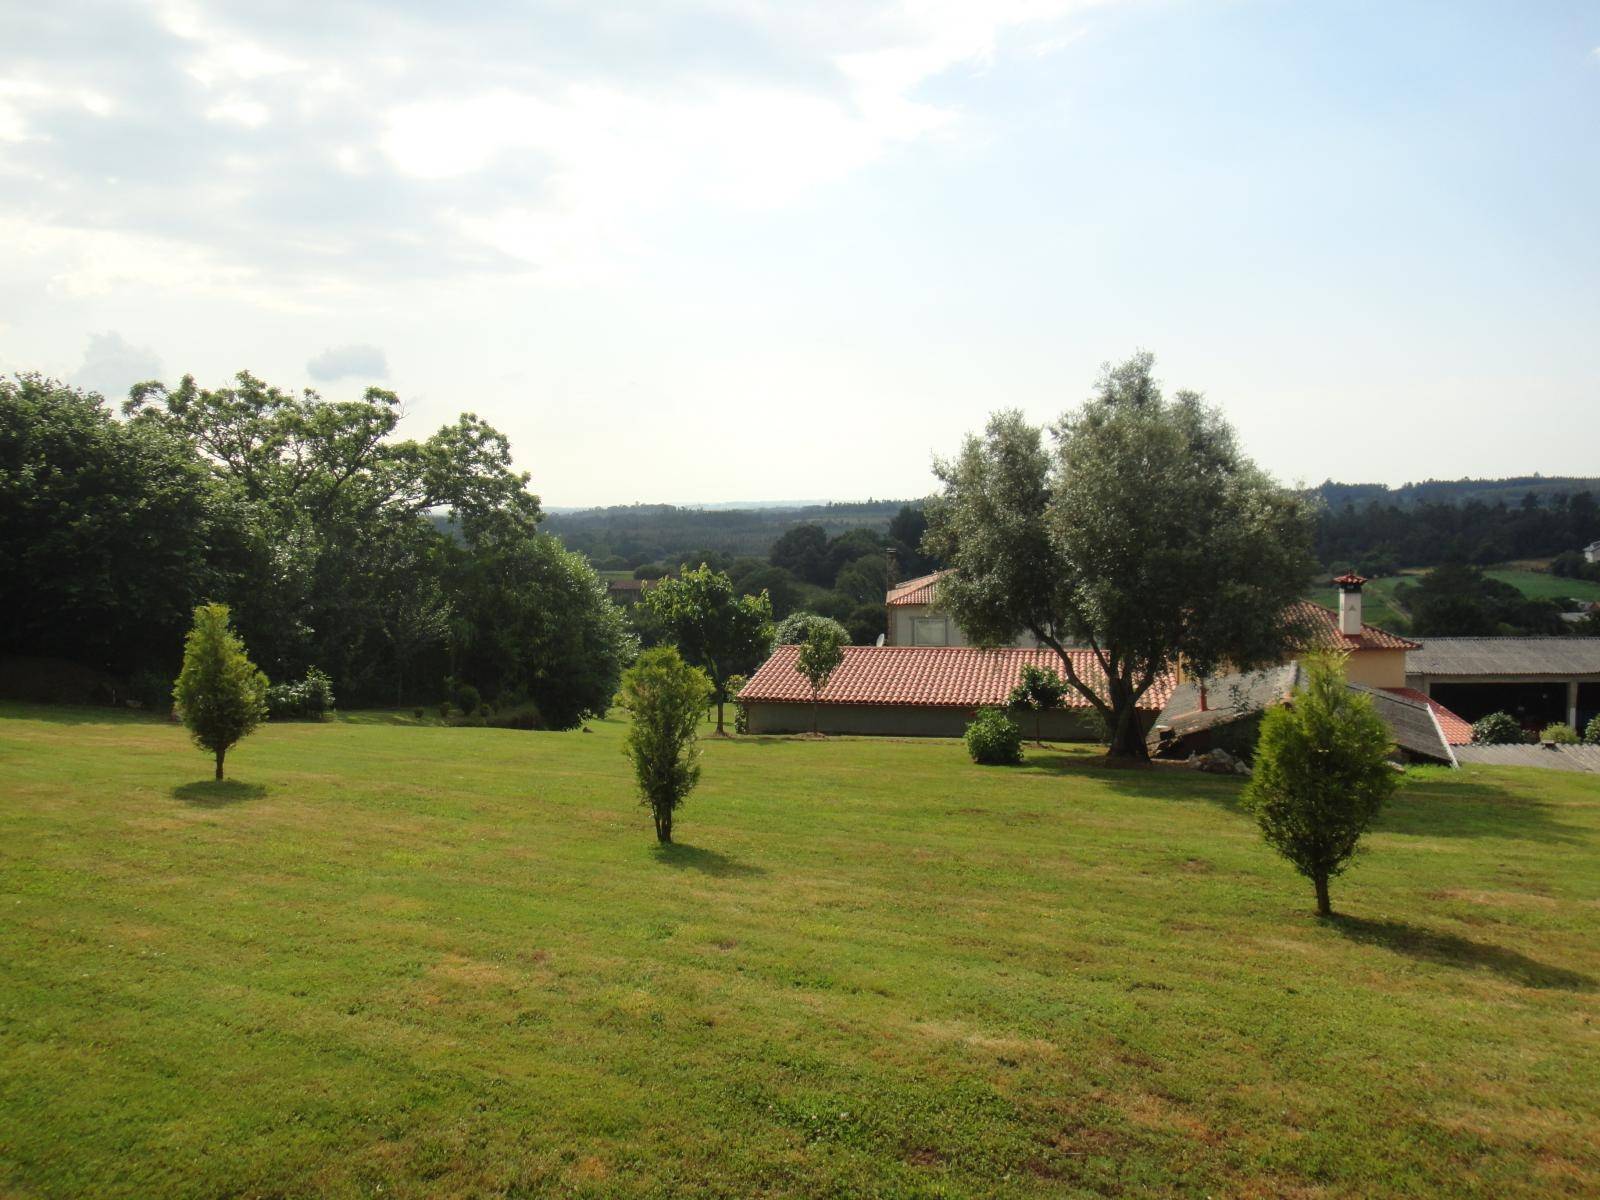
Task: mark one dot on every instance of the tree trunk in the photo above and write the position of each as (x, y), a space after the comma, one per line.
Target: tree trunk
(1127, 739)
(1038, 727)
(220, 753)
(1324, 905)
(719, 715)
(663, 826)
(813, 713)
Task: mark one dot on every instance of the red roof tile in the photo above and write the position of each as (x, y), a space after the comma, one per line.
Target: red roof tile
(1457, 730)
(1324, 626)
(915, 591)
(1350, 579)
(926, 676)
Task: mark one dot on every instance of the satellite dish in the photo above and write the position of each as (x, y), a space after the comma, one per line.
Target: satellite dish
(879, 642)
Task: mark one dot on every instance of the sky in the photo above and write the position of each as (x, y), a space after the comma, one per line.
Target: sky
(748, 250)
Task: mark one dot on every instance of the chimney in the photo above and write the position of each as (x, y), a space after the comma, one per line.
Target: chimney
(892, 565)
(1349, 586)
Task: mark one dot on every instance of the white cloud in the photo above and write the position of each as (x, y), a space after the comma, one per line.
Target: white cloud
(112, 365)
(343, 362)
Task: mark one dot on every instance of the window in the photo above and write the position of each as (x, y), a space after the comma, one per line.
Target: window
(930, 631)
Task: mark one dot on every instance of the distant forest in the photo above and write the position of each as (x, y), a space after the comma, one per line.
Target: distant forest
(1372, 527)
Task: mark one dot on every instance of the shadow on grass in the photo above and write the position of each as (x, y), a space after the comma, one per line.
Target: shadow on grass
(708, 862)
(1447, 949)
(80, 714)
(213, 793)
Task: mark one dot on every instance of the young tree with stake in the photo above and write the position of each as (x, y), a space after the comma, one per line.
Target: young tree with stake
(220, 694)
(1039, 690)
(1142, 534)
(819, 657)
(666, 697)
(1321, 774)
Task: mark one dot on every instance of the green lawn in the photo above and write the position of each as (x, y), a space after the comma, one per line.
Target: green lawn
(399, 961)
(1541, 585)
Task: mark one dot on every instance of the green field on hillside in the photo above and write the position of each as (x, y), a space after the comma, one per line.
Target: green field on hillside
(402, 961)
(1542, 585)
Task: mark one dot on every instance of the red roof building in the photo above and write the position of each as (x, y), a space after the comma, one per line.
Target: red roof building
(917, 690)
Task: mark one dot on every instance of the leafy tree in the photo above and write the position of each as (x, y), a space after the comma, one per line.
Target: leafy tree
(110, 533)
(1497, 729)
(717, 630)
(796, 628)
(1142, 534)
(1458, 600)
(993, 739)
(854, 546)
(220, 694)
(540, 627)
(1321, 774)
(865, 581)
(1039, 691)
(666, 696)
(819, 657)
(803, 551)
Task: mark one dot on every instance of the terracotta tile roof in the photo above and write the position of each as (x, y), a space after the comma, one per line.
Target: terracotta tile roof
(914, 591)
(1350, 579)
(1457, 730)
(925, 677)
(1323, 624)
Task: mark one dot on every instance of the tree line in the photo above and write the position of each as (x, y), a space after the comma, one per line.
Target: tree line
(314, 523)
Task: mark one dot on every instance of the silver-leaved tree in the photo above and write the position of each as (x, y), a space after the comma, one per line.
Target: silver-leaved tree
(1138, 531)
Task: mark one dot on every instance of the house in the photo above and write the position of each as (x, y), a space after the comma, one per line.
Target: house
(1194, 721)
(915, 618)
(1201, 714)
(1591, 552)
(1538, 680)
(628, 591)
(920, 691)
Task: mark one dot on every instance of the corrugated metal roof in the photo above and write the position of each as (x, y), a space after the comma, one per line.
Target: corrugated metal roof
(1457, 729)
(1411, 723)
(925, 676)
(1559, 758)
(1505, 656)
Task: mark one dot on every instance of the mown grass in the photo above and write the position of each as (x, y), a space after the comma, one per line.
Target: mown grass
(1541, 585)
(419, 961)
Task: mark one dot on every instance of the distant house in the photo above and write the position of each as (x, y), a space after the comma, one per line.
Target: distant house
(1198, 712)
(1591, 552)
(915, 619)
(628, 591)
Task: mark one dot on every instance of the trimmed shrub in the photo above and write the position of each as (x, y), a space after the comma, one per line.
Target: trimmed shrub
(994, 739)
(1591, 732)
(1560, 733)
(795, 629)
(467, 698)
(309, 700)
(1497, 729)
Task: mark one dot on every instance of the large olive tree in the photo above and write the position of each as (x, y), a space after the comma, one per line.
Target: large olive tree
(1138, 531)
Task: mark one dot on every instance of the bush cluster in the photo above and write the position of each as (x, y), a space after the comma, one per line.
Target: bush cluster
(311, 699)
(1591, 732)
(994, 739)
(1497, 729)
(1560, 733)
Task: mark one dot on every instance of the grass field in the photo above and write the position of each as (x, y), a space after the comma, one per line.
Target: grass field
(1541, 585)
(391, 961)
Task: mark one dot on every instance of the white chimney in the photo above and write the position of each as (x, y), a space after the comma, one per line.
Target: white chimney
(1349, 603)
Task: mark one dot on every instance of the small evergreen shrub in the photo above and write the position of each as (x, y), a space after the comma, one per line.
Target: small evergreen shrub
(1560, 733)
(1591, 732)
(467, 698)
(310, 699)
(732, 686)
(994, 739)
(1497, 729)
